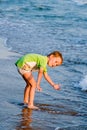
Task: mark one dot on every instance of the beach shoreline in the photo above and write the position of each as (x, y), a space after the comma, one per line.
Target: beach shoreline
(42, 27)
(11, 99)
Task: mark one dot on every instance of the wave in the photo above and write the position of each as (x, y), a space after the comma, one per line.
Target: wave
(80, 2)
(4, 51)
(76, 61)
(76, 127)
(83, 83)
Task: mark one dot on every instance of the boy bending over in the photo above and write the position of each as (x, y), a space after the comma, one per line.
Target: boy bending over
(30, 62)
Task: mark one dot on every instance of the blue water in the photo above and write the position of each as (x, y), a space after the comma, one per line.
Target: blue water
(35, 26)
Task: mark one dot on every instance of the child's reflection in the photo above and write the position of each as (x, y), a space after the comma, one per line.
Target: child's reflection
(26, 120)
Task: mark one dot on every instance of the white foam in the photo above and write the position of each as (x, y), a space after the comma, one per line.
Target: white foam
(80, 2)
(4, 51)
(83, 83)
(57, 128)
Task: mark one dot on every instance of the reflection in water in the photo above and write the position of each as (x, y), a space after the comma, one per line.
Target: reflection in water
(26, 120)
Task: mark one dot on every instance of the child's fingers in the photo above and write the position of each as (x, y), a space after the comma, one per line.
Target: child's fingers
(39, 89)
(57, 87)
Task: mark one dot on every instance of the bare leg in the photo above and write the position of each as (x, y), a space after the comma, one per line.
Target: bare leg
(29, 91)
(27, 88)
(31, 96)
(26, 94)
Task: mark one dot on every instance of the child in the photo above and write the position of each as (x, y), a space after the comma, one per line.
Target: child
(30, 62)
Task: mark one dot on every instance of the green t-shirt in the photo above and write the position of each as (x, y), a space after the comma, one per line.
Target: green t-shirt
(34, 61)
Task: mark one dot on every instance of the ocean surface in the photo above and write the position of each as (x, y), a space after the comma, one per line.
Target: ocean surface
(42, 26)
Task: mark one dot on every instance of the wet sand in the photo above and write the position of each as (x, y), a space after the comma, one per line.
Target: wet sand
(13, 114)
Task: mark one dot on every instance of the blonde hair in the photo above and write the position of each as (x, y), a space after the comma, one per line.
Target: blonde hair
(56, 54)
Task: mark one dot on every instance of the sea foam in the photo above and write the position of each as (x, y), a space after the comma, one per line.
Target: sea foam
(4, 51)
(80, 2)
(83, 83)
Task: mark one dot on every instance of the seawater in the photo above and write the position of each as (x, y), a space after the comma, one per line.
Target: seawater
(41, 27)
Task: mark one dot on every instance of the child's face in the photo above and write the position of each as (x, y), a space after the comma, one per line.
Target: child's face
(54, 61)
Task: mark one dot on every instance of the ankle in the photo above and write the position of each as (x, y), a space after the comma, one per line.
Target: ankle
(30, 104)
(25, 102)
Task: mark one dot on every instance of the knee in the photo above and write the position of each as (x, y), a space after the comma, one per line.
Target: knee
(28, 85)
(34, 85)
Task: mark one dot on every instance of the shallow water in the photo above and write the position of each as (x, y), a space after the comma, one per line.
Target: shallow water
(42, 27)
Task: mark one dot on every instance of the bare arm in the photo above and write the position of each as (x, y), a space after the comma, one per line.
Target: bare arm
(40, 74)
(47, 77)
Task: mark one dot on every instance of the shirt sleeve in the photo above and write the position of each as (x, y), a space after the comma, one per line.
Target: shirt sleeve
(43, 65)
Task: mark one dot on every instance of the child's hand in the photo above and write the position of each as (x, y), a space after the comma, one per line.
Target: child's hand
(56, 86)
(39, 89)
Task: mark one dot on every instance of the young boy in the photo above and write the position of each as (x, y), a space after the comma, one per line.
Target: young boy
(30, 62)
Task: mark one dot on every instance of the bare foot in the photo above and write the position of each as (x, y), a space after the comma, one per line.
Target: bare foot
(33, 107)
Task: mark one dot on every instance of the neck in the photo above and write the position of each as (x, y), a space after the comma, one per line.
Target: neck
(47, 59)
